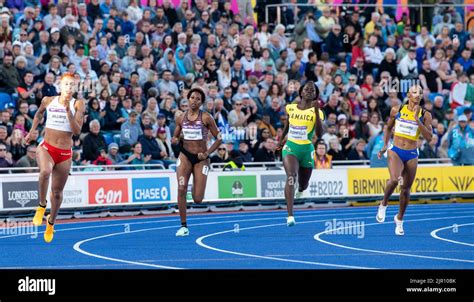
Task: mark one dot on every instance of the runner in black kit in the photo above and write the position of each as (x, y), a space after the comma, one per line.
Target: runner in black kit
(191, 132)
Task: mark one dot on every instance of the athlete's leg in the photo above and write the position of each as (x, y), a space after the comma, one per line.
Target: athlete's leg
(409, 174)
(200, 171)
(395, 168)
(304, 175)
(291, 164)
(183, 172)
(58, 181)
(45, 164)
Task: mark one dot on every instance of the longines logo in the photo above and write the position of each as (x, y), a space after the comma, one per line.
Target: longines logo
(461, 183)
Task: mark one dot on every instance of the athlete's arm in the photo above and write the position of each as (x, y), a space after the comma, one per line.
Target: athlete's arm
(177, 131)
(425, 128)
(388, 133)
(77, 120)
(211, 125)
(39, 115)
(284, 135)
(319, 124)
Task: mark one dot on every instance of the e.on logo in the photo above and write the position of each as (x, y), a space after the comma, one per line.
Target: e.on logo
(108, 191)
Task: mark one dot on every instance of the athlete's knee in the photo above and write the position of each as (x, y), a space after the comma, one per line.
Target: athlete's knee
(182, 190)
(198, 199)
(405, 189)
(57, 194)
(45, 173)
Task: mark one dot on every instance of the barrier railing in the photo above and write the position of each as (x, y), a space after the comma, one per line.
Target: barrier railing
(263, 165)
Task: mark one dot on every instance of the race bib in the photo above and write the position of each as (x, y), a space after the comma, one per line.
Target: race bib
(298, 132)
(405, 127)
(191, 134)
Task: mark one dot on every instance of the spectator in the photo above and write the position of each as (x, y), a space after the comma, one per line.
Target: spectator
(130, 131)
(376, 144)
(408, 67)
(221, 156)
(322, 160)
(28, 160)
(17, 144)
(335, 150)
(113, 118)
(235, 163)
(460, 142)
(102, 159)
(93, 141)
(164, 143)
(428, 149)
(330, 134)
(150, 146)
(5, 158)
(114, 156)
(137, 158)
(358, 153)
(244, 152)
(9, 77)
(267, 152)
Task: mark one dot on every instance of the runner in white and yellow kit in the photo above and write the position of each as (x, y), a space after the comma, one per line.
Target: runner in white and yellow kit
(408, 121)
(304, 118)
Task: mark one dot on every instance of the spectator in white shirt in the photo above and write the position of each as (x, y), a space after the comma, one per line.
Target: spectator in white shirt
(373, 55)
(408, 67)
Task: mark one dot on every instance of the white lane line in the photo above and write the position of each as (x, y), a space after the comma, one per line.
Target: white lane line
(417, 207)
(435, 235)
(219, 217)
(317, 237)
(200, 242)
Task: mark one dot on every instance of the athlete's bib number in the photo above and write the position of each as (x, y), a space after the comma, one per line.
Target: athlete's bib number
(408, 128)
(192, 134)
(298, 132)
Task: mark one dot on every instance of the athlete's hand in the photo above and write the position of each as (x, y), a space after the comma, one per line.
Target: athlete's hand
(203, 156)
(417, 109)
(174, 140)
(28, 138)
(382, 152)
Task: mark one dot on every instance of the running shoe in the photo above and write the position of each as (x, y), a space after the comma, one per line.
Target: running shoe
(399, 226)
(38, 219)
(381, 213)
(290, 221)
(49, 233)
(183, 231)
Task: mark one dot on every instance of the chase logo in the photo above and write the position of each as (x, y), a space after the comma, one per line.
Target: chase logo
(151, 189)
(462, 184)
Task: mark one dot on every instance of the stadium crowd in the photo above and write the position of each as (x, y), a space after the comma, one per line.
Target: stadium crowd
(134, 62)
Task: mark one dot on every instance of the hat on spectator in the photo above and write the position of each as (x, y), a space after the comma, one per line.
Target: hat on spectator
(245, 96)
(189, 77)
(438, 41)
(16, 43)
(148, 127)
(132, 114)
(462, 118)
(341, 116)
(113, 146)
(161, 115)
(79, 46)
(161, 130)
(54, 30)
(412, 49)
(352, 89)
(4, 10)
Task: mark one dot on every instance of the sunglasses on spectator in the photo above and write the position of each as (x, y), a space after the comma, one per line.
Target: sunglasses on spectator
(3, 150)
(220, 149)
(238, 104)
(352, 79)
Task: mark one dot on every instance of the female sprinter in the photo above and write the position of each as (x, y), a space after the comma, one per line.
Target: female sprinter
(65, 116)
(193, 127)
(409, 121)
(298, 151)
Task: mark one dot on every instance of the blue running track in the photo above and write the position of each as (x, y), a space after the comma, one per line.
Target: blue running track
(437, 236)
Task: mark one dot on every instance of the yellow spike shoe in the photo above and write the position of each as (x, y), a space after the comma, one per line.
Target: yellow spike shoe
(49, 233)
(38, 219)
